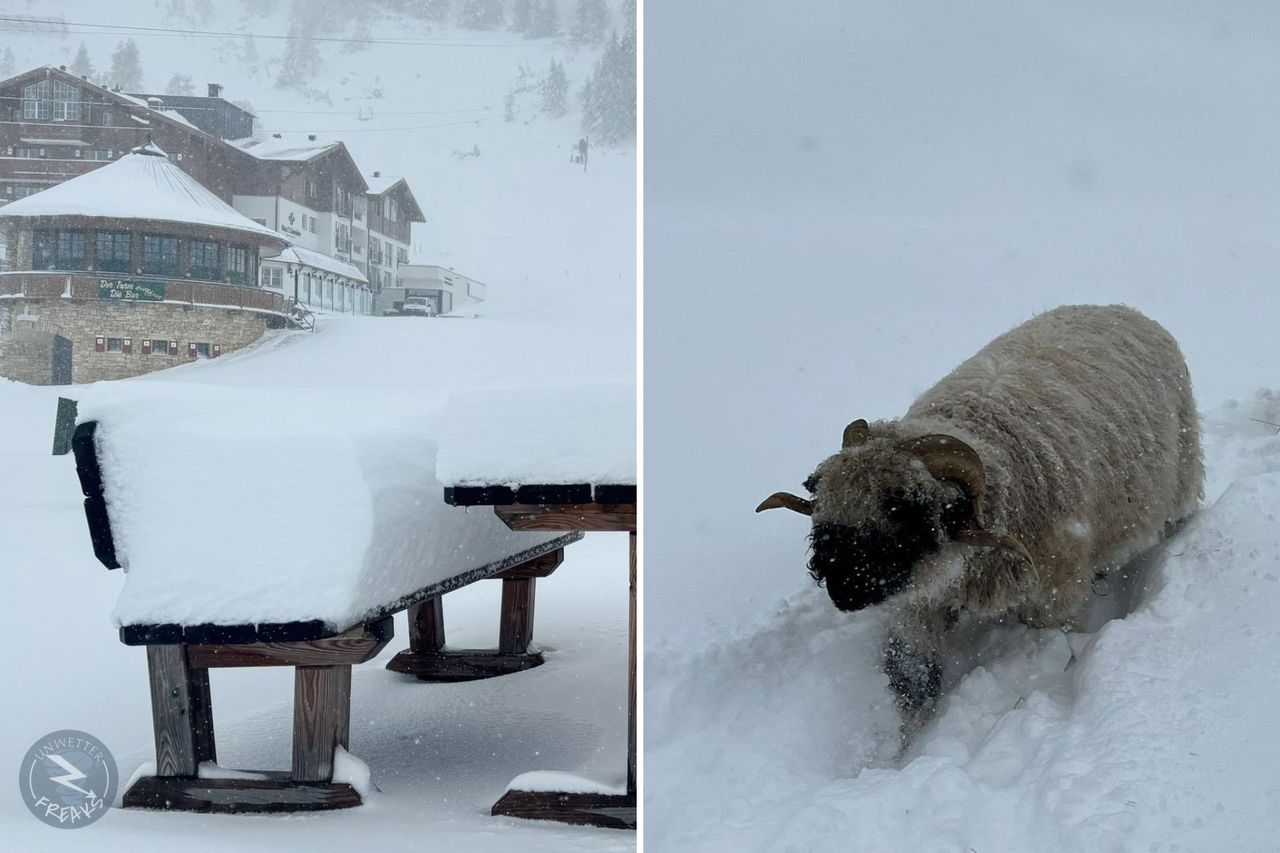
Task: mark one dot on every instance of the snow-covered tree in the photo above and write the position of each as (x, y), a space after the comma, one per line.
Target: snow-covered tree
(590, 22)
(126, 67)
(180, 84)
(82, 65)
(609, 96)
(7, 62)
(301, 61)
(555, 91)
(481, 15)
(522, 16)
(546, 20)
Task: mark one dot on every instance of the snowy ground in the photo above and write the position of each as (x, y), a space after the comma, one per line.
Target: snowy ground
(439, 754)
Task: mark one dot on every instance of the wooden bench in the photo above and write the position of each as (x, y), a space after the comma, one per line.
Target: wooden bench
(179, 657)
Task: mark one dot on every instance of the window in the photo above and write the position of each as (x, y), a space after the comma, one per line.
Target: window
(27, 153)
(61, 250)
(386, 280)
(97, 154)
(202, 350)
(23, 190)
(375, 251)
(51, 99)
(273, 277)
(342, 237)
(115, 344)
(238, 264)
(115, 251)
(360, 205)
(387, 255)
(205, 258)
(160, 255)
(393, 210)
(159, 347)
(107, 119)
(312, 227)
(402, 255)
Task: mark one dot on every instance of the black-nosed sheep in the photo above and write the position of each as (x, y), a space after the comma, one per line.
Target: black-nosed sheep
(1059, 451)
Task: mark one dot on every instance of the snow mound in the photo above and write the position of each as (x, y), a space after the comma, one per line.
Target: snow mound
(1158, 736)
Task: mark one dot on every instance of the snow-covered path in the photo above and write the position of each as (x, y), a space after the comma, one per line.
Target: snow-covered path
(1160, 738)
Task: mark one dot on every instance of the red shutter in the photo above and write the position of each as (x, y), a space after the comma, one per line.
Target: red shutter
(217, 350)
(191, 350)
(128, 346)
(173, 347)
(146, 346)
(99, 344)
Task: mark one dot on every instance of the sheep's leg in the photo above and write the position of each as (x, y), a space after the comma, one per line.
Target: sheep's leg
(912, 661)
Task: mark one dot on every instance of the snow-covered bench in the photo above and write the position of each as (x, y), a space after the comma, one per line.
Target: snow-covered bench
(254, 536)
(553, 458)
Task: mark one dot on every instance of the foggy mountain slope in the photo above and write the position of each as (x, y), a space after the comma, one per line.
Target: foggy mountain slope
(1160, 738)
(519, 216)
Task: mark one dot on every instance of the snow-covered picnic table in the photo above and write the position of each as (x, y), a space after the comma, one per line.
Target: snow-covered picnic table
(272, 527)
(552, 458)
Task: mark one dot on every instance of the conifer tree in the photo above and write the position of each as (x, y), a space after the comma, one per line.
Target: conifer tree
(126, 67)
(590, 22)
(481, 15)
(301, 61)
(555, 91)
(82, 65)
(522, 16)
(546, 20)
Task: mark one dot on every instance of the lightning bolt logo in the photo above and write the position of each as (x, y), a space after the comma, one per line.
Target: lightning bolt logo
(68, 779)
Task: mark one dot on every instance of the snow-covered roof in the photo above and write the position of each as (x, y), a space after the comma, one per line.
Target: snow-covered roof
(378, 184)
(285, 148)
(582, 432)
(310, 258)
(144, 184)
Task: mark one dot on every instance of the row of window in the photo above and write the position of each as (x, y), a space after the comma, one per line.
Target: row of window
(59, 153)
(156, 346)
(161, 255)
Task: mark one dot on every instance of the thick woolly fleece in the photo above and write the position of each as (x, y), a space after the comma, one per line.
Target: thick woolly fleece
(1087, 430)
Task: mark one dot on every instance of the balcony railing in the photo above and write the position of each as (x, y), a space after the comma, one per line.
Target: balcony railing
(81, 285)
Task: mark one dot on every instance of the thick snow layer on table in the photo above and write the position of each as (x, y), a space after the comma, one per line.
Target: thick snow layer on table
(1161, 736)
(137, 186)
(552, 434)
(234, 506)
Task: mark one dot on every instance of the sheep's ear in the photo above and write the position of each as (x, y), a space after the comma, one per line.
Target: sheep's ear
(987, 539)
(786, 500)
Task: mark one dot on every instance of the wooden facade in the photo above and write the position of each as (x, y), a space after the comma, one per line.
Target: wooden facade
(55, 126)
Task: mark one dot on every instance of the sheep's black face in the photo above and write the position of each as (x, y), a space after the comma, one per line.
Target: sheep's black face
(863, 565)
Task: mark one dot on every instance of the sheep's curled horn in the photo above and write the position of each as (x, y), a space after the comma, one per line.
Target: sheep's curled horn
(947, 458)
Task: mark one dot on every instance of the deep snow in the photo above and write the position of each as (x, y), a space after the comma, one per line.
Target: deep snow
(1159, 737)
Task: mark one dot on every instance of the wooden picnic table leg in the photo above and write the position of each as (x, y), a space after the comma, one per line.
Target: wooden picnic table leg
(181, 711)
(426, 626)
(427, 659)
(321, 719)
